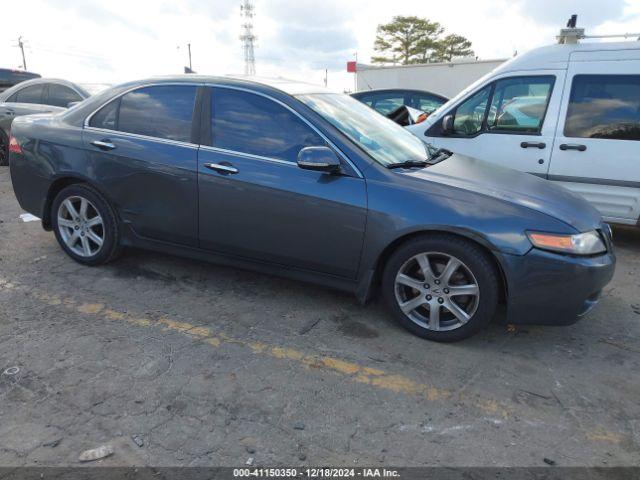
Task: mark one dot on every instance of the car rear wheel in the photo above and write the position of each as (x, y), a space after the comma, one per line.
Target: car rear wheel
(441, 287)
(85, 225)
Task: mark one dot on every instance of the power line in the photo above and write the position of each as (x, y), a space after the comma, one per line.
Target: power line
(248, 38)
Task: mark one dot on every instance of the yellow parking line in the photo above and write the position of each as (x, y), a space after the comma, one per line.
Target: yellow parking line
(353, 371)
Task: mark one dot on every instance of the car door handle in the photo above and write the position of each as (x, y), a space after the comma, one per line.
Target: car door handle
(539, 145)
(573, 146)
(221, 168)
(103, 144)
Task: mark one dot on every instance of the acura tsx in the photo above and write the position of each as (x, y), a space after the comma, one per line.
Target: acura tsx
(291, 179)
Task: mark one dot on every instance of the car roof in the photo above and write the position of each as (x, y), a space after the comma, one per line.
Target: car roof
(291, 87)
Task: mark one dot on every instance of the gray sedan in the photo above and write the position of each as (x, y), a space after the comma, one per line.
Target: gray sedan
(41, 95)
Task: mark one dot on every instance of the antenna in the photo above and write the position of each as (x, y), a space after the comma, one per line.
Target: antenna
(21, 46)
(248, 38)
(572, 34)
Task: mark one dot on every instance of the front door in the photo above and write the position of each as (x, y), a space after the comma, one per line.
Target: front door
(597, 150)
(510, 121)
(256, 203)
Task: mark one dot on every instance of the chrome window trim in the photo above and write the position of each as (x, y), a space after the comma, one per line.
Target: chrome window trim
(142, 137)
(218, 85)
(236, 153)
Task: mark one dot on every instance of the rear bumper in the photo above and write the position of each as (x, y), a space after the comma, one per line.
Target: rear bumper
(552, 289)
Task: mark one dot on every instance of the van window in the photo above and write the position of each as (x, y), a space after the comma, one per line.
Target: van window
(470, 113)
(519, 104)
(604, 106)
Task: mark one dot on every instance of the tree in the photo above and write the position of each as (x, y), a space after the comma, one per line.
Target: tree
(452, 46)
(407, 39)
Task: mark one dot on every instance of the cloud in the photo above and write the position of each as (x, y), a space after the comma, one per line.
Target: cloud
(556, 13)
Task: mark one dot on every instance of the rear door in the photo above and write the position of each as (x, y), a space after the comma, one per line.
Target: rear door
(255, 202)
(510, 121)
(597, 150)
(142, 152)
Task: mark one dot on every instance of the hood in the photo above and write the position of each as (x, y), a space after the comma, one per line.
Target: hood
(512, 186)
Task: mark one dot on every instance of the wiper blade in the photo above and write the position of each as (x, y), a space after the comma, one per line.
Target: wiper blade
(409, 164)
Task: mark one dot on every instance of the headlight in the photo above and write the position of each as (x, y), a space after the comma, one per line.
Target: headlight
(587, 243)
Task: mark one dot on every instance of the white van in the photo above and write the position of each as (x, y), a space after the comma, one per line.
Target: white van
(568, 112)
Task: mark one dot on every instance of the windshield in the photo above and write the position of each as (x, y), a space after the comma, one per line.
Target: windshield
(385, 141)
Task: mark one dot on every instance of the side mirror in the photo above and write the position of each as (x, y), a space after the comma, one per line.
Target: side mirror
(447, 124)
(320, 159)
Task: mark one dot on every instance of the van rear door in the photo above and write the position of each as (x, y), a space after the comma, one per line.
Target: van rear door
(597, 148)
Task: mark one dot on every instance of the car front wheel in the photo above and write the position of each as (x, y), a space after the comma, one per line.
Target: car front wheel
(441, 287)
(85, 225)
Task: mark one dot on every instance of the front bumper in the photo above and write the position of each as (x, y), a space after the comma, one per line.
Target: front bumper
(553, 289)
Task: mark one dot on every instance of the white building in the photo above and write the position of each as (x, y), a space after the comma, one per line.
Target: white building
(446, 79)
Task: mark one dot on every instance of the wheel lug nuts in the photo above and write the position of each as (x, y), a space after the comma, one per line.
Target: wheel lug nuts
(426, 286)
(428, 297)
(437, 282)
(446, 290)
(76, 227)
(440, 300)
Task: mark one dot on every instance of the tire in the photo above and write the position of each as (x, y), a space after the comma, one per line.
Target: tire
(4, 149)
(85, 228)
(469, 286)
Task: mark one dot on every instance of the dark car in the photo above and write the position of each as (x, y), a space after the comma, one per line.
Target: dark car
(390, 103)
(10, 77)
(294, 180)
(42, 95)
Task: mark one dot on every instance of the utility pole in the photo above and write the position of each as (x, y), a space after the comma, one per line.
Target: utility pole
(189, 48)
(326, 72)
(21, 46)
(248, 38)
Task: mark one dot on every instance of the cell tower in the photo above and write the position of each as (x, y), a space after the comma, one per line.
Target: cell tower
(248, 37)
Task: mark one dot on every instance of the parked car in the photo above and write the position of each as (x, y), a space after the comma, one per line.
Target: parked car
(325, 190)
(10, 77)
(42, 95)
(405, 107)
(569, 113)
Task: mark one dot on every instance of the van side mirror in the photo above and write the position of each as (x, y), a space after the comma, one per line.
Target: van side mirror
(447, 124)
(320, 159)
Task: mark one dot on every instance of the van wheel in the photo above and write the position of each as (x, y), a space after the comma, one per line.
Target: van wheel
(85, 225)
(441, 287)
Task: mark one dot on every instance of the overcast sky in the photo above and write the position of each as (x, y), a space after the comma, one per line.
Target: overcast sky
(116, 40)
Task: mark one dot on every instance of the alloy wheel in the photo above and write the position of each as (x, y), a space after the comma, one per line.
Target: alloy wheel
(81, 226)
(437, 291)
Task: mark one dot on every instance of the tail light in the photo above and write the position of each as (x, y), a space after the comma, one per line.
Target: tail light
(14, 146)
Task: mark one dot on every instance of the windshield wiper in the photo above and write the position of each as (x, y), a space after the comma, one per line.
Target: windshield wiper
(409, 164)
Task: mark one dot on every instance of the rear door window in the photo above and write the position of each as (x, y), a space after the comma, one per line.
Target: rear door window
(61, 96)
(32, 94)
(164, 111)
(426, 103)
(604, 106)
(250, 123)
